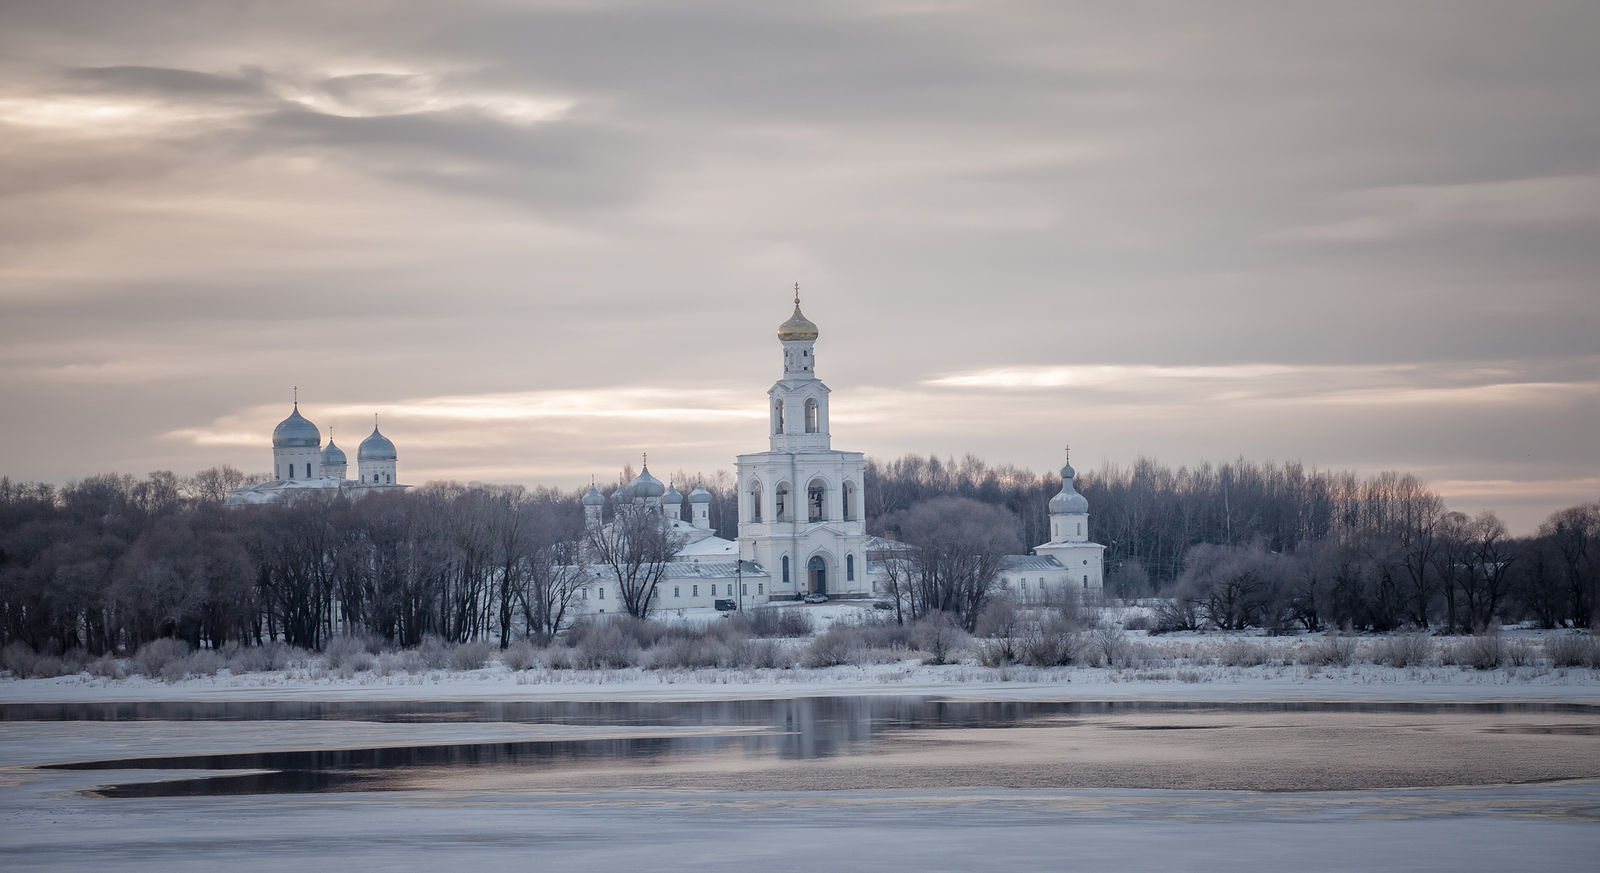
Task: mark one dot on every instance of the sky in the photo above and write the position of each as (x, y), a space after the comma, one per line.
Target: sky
(541, 239)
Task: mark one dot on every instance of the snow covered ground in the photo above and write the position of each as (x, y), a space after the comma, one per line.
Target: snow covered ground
(1197, 682)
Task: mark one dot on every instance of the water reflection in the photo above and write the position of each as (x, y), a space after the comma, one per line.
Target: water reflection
(794, 729)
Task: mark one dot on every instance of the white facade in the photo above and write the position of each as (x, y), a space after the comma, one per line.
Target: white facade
(800, 501)
(1082, 561)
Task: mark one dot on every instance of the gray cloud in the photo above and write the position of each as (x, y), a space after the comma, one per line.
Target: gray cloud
(201, 204)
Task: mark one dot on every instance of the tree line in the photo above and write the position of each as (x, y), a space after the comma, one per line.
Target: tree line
(1244, 544)
(111, 562)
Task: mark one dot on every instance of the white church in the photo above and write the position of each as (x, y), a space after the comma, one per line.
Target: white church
(302, 465)
(801, 529)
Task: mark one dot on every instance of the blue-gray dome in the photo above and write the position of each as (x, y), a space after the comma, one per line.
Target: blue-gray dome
(1069, 500)
(333, 456)
(699, 494)
(593, 497)
(645, 486)
(672, 496)
(376, 448)
(295, 432)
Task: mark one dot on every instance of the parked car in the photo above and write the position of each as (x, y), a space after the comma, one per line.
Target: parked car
(725, 605)
(882, 604)
(816, 598)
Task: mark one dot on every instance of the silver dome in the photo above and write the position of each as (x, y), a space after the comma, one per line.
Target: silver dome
(699, 494)
(672, 496)
(333, 456)
(593, 497)
(295, 432)
(376, 448)
(645, 486)
(1069, 500)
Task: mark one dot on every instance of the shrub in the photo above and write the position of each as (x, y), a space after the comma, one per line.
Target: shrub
(434, 652)
(349, 653)
(1334, 649)
(470, 655)
(1403, 650)
(271, 655)
(605, 646)
(204, 662)
(760, 653)
(773, 622)
(693, 652)
(404, 661)
(839, 645)
(1242, 653)
(1480, 652)
(1521, 653)
(520, 655)
(1112, 646)
(154, 658)
(1175, 615)
(1052, 644)
(1575, 650)
(939, 637)
(1138, 621)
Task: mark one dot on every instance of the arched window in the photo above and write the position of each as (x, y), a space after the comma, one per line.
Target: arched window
(291, 471)
(374, 477)
(755, 501)
(782, 495)
(811, 416)
(777, 416)
(849, 501)
(816, 497)
(1080, 528)
(388, 478)
(849, 568)
(308, 470)
(786, 569)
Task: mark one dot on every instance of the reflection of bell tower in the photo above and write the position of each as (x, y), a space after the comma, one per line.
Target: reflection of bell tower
(800, 501)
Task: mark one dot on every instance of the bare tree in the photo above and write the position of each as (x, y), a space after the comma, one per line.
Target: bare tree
(957, 548)
(633, 548)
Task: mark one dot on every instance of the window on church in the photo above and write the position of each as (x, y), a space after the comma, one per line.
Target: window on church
(695, 590)
(1086, 580)
(811, 416)
(308, 471)
(786, 569)
(602, 594)
(374, 477)
(777, 416)
(755, 501)
(388, 478)
(1080, 529)
(849, 501)
(761, 588)
(675, 591)
(816, 493)
(783, 501)
(850, 568)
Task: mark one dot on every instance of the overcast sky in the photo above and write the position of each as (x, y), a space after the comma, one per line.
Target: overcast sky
(543, 238)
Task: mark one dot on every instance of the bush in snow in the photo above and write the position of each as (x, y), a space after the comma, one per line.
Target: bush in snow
(1575, 650)
(350, 653)
(773, 622)
(471, 655)
(1480, 652)
(157, 656)
(1333, 650)
(520, 655)
(940, 637)
(1402, 650)
(605, 646)
(271, 655)
(838, 645)
(1242, 653)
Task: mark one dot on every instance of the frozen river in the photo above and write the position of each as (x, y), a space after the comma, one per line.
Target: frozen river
(854, 783)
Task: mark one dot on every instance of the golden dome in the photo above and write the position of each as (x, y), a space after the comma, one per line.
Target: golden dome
(798, 327)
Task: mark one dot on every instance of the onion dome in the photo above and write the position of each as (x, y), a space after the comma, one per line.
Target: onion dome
(295, 432)
(699, 494)
(333, 456)
(1069, 500)
(376, 448)
(593, 497)
(672, 496)
(645, 486)
(798, 327)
